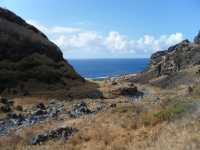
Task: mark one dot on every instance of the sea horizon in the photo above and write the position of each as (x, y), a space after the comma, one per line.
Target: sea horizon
(102, 58)
(101, 68)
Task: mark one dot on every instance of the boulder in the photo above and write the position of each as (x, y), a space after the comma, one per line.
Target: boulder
(39, 112)
(19, 108)
(125, 90)
(4, 100)
(113, 105)
(79, 110)
(41, 106)
(5, 108)
(129, 91)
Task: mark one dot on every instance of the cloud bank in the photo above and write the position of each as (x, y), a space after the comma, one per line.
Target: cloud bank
(85, 43)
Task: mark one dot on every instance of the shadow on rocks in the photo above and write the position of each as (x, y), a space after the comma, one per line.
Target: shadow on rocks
(59, 133)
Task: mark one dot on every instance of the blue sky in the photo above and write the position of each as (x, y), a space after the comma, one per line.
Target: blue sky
(111, 28)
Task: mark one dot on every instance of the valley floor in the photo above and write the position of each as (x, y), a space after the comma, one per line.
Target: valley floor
(157, 119)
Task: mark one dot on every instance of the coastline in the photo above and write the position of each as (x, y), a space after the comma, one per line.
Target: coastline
(124, 76)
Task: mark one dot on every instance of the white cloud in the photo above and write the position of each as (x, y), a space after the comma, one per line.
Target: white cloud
(78, 40)
(116, 41)
(56, 29)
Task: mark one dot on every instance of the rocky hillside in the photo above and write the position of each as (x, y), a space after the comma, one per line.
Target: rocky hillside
(168, 64)
(28, 60)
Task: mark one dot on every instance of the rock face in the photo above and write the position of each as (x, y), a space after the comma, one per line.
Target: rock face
(28, 60)
(165, 66)
(197, 39)
(175, 58)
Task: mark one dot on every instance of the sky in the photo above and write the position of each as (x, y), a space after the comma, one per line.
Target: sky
(111, 28)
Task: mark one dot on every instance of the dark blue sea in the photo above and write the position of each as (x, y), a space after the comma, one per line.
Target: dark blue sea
(100, 68)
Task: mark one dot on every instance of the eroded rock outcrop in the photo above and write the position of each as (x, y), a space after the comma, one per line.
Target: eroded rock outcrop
(164, 66)
(175, 58)
(28, 60)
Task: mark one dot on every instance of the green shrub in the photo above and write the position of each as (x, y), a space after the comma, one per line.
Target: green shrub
(168, 113)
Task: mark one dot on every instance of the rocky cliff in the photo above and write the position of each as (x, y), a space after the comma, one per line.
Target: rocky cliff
(28, 60)
(164, 65)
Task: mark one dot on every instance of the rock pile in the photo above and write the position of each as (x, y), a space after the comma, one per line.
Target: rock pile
(79, 110)
(38, 113)
(126, 90)
(59, 133)
(6, 105)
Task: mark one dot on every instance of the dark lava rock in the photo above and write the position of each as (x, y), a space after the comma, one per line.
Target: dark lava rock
(17, 119)
(39, 112)
(125, 90)
(19, 108)
(79, 110)
(113, 105)
(32, 116)
(28, 57)
(41, 106)
(4, 100)
(129, 91)
(12, 115)
(53, 134)
(5, 108)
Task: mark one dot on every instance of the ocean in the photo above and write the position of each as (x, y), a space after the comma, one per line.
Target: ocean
(102, 68)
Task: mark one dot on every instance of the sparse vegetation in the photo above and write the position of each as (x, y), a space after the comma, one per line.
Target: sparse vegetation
(165, 114)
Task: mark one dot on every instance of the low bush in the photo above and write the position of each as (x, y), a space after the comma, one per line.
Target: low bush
(166, 114)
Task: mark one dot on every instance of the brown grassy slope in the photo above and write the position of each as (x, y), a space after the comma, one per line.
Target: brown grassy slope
(170, 123)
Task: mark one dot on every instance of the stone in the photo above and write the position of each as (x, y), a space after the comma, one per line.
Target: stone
(58, 133)
(54, 112)
(19, 108)
(41, 106)
(164, 69)
(4, 100)
(5, 108)
(190, 90)
(113, 105)
(12, 115)
(129, 91)
(39, 112)
(197, 38)
(33, 115)
(38, 139)
(79, 110)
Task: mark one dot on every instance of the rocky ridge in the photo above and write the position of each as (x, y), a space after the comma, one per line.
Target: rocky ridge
(166, 65)
(28, 60)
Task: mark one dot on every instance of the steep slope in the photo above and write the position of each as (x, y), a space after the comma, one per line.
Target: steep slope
(179, 63)
(28, 60)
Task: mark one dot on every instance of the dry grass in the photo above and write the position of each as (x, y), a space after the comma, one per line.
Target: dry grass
(123, 127)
